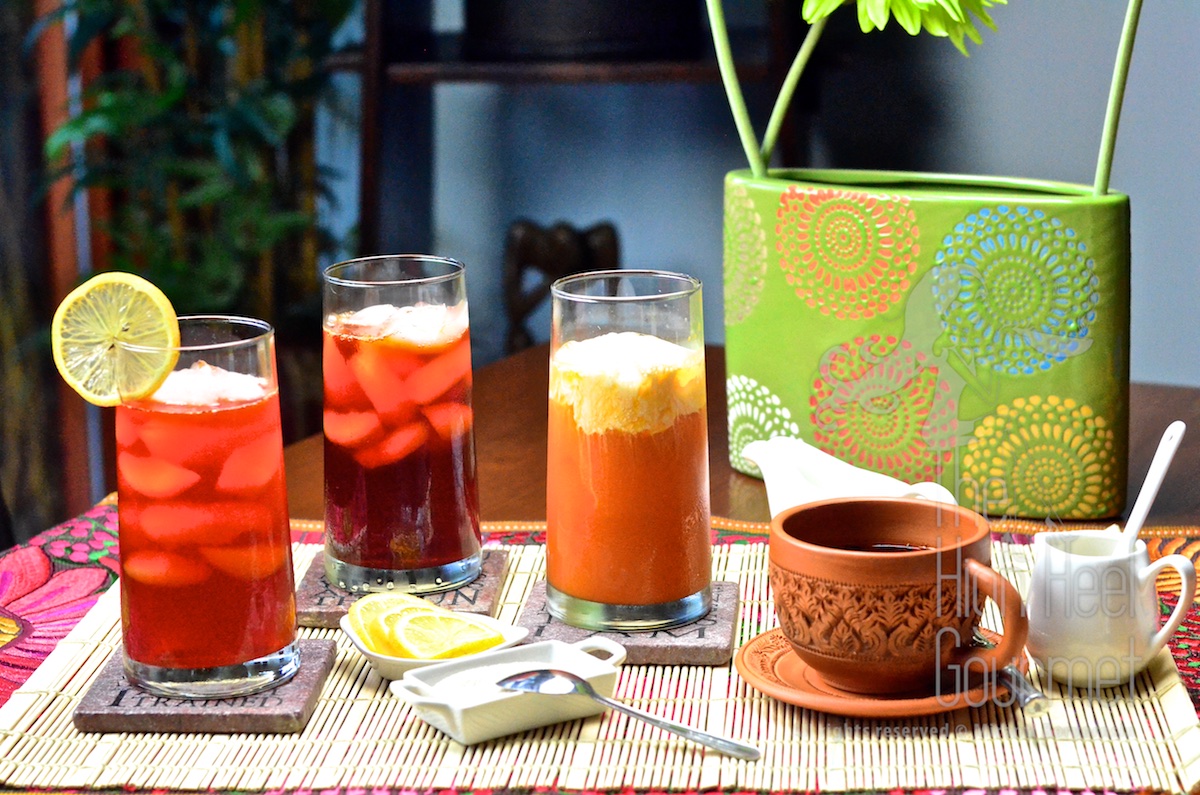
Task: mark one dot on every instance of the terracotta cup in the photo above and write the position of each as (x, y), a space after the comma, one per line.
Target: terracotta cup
(882, 595)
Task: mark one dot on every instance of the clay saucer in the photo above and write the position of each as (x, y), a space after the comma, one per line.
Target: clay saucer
(769, 665)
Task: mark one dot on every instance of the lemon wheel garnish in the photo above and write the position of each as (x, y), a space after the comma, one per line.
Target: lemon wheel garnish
(402, 625)
(373, 606)
(373, 616)
(114, 307)
(438, 636)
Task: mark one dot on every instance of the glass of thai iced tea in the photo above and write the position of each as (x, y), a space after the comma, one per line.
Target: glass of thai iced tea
(401, 505)
(208, 603)
(628, 543)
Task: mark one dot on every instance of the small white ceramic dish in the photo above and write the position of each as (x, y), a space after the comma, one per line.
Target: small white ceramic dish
(394, 667)
(461, 698)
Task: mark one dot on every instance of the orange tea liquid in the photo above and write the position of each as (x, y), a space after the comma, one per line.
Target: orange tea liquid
(400, 490)
(629, 511)
(205, 546)
(627, 472)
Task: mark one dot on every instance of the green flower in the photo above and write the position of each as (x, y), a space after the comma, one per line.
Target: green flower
(945, 18)
(745, 255)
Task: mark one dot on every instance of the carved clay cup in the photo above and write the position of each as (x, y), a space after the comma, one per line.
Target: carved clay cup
(873, 620)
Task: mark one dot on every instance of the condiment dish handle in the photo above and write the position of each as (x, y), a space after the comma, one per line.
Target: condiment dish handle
(603, 649)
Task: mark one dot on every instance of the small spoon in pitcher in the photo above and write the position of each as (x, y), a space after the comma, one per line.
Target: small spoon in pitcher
(1154, 478)
(550, 681)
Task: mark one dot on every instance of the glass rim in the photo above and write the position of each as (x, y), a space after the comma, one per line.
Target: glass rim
(456, 269)
(265, 330)
(558, 287)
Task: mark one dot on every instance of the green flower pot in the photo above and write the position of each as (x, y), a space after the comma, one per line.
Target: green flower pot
(972, 331)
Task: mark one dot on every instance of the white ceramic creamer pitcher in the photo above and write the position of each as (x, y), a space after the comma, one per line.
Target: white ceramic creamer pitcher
(1093, 608)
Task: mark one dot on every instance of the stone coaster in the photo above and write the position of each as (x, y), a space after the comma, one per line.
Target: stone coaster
(705, 641)
(111, 704)
(319, 604)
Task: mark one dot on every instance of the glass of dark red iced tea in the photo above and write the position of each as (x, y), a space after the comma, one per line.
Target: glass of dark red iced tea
(401, 505)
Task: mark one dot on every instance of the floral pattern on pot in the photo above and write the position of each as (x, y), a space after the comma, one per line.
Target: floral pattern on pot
(1015, 289)
(1045, 456)
(754, 413)
(898, 310)
(847, 254)
(745, 255)
(880, 404)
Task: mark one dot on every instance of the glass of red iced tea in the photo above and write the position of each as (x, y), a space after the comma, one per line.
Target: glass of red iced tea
(208, 605)
(401, 505)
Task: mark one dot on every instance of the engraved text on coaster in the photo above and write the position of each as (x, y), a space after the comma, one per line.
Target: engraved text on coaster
(111, 704)
(319, 604)
(705, 641)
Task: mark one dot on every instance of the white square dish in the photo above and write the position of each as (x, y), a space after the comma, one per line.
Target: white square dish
(461, 698)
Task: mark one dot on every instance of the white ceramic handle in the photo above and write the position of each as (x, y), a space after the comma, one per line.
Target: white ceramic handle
(1187, 594)
(415, 692)
(613, 652)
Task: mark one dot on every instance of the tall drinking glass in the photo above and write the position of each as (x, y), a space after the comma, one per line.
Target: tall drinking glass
(401, 505)
(627, 505)
(208, 606)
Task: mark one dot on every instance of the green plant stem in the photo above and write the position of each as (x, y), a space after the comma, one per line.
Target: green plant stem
(1116, 95)
(779, 112)
(733, 89)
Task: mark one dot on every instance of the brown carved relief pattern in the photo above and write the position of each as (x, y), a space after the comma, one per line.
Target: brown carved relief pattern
(846, 620)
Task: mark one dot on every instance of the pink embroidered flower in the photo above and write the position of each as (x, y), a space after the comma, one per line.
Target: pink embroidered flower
(87, 539)
(38, 607)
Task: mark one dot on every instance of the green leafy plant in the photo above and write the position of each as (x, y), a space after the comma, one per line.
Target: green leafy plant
(953, 19)
(200, 132)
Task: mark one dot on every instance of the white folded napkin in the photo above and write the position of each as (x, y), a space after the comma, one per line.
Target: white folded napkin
(795, 473)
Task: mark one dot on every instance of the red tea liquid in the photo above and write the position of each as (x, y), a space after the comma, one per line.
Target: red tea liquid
(205, 545)
(400, 490)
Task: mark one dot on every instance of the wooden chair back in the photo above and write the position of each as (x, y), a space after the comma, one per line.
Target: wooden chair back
(535, 256)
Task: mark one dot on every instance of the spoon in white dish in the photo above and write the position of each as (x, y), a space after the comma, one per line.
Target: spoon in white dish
(550, 681)
(1154, 478)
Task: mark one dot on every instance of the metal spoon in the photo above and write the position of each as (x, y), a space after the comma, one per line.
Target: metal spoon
(1154, 478)
(1031, 700)
(553, 682)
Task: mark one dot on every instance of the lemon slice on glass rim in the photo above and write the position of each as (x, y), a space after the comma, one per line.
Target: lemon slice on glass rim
(110, 308)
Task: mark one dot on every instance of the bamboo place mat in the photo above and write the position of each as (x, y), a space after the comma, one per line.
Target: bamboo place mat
(360, 736)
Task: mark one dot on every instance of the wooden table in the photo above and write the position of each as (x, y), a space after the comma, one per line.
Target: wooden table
(510, 436)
